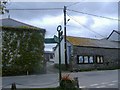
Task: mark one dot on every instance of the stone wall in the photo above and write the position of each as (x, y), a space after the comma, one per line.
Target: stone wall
(110, 57)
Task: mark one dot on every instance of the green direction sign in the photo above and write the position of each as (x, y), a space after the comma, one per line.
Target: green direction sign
(50, 40)
(56, 39)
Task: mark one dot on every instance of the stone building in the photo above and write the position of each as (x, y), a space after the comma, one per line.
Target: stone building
(87, 53)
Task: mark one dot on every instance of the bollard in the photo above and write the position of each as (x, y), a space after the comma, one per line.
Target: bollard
(76, 82)
(27, 72)
(13, 87)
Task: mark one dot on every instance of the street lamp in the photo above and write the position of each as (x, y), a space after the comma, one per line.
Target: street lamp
(59, 37)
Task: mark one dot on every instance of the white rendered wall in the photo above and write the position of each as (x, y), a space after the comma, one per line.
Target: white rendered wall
(56, 58)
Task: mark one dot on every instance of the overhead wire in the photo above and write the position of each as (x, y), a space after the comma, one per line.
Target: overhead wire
(72, 4)
(94, 15)
(67, 9)
(85, 26)
(72, 17)
(73, 26)
(36, 9)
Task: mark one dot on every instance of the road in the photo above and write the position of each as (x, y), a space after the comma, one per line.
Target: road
(93, 79)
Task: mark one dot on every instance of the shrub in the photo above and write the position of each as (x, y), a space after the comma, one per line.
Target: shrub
(67, 82)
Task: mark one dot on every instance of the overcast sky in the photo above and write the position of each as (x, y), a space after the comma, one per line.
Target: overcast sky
(81, 25)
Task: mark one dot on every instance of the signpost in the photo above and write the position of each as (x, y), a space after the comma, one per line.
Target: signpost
(56, 39)
(59, 39)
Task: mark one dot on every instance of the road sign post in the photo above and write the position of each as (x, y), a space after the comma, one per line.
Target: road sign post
(59, 40)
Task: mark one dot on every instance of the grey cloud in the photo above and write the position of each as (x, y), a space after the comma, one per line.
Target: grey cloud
(31, 14)
(107, 9)
(89, 22)
(100, 8)
(104, 9)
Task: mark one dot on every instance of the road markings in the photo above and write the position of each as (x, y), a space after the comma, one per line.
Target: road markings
(94, 84)
(111, 84)
(115, 81)
(105, 83)
(100, 86)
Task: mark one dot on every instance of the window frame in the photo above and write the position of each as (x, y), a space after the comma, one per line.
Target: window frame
(78, 60)
(100, 61)
(92, 59)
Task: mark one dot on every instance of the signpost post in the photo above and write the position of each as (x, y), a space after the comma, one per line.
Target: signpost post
(59, 40)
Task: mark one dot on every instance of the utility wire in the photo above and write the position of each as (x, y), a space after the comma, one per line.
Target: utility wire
(68, 10)
(37, 9)
(85, 26)
(74, 26)
(72, 4)
(93, 15)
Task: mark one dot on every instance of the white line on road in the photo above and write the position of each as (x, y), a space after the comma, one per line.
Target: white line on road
(100, 86)
(111, 84)
(105, 82)
(94, 84)
(115, 81)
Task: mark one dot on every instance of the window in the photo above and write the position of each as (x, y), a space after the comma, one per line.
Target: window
(81, 59)
(99, 59)
(85, 59)
(91, 59)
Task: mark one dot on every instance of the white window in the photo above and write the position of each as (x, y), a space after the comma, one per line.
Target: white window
(85, 59)
(99, 59)
(91, 59)
(81, 59)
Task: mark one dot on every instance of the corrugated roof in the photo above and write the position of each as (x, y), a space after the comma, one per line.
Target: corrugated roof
(80, 41)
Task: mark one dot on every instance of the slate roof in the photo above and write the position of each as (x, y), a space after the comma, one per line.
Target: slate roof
(16, 24)
(88, 42)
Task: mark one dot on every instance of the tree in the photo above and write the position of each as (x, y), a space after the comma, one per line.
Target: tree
(22, 50)
(3, 4)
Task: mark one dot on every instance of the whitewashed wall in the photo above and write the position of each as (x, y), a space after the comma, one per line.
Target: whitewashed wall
(56, 58)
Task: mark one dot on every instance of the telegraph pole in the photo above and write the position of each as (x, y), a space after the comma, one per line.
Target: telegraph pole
(65, 44)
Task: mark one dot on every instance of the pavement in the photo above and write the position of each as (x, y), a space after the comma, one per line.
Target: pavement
(92, 79)
(50, 68)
